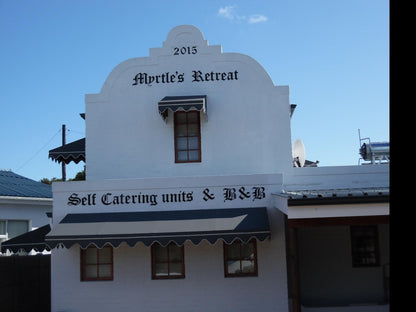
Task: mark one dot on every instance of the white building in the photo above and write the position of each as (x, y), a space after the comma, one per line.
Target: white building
(190, 190)
(24, 205)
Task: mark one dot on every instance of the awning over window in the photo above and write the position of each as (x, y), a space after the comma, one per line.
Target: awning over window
(185, 103)
(74, 151)
(160, 227)
(33, 240)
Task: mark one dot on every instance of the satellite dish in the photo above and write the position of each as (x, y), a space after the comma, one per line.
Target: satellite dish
(298, 153)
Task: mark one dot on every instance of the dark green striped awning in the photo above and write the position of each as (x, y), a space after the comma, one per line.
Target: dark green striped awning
(160, 227)
(184, 103)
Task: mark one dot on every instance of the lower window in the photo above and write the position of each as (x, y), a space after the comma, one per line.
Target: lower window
(167, 262)
(97, 264)
(240, 259)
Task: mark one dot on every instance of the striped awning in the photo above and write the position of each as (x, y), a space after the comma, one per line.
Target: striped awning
(74, 151)
(160, 227)
(184, 103)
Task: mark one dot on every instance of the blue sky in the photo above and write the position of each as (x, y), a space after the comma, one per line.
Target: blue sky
(333, 55)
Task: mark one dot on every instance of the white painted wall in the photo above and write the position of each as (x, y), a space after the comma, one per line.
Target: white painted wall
(247, 130)
(204, 287)
(20, 208)
(158, 186)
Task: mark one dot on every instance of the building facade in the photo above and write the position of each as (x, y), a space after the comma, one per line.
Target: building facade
(188, 191)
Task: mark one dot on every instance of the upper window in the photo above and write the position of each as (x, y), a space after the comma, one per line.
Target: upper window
(240, 259)
(187, 137)
(364, 246)
(168, 262)
(97, 264)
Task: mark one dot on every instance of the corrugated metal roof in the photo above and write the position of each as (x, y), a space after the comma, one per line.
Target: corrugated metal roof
(12, 184)
(333, 196)
(331, 193)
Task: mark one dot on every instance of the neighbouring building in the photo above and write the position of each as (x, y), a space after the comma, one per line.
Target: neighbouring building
(192, 201)
(24, 206)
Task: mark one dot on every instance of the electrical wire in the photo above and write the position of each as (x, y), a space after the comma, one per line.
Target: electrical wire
(46, 144)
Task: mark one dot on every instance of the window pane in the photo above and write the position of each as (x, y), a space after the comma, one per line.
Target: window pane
(91, 271)
(91, 255)
(161, 254)
(193, 117)
(194, 143)
(247, 251)
(17, 227)
(193, 130)
(247, 266)
(105, 255)
(182, 143)
(193, 155)
(175, 269)
(175, 253)
(104, 270)
(233, 267)
(181, 130)
(161, 269)
(182, 156)
(233, 251)
(180, 117)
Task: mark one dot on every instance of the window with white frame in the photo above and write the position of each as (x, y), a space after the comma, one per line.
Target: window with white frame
(12, 228)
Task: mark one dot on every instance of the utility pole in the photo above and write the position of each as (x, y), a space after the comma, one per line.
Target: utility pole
(63, 161)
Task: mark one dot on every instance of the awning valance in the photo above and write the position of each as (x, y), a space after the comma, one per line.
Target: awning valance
(185, 103)
(33, 240)
(74, 151)
(160, 227)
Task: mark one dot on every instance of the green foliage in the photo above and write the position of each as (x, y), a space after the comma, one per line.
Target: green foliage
(80, 176)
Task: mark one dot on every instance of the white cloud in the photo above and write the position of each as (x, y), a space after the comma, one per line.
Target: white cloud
(257, 18)
(227, 12)
(230, 13)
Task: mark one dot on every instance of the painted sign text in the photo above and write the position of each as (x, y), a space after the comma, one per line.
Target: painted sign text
(177, 77)
(251, 193)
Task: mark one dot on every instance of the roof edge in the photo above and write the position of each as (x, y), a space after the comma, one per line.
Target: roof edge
(368, 199)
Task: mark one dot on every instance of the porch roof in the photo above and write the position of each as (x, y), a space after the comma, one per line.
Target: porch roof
(330, 196)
